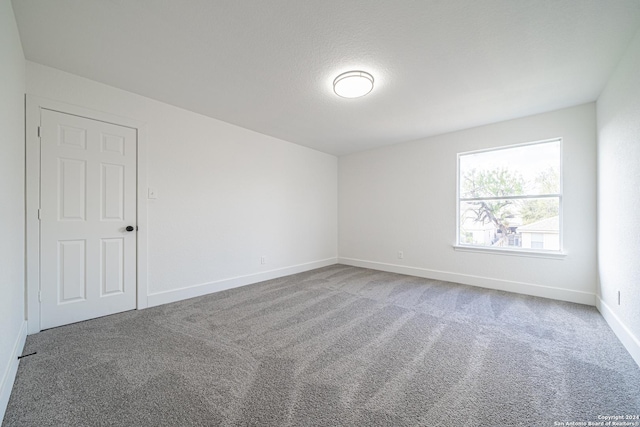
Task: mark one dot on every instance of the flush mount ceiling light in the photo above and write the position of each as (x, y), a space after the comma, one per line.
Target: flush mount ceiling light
(353, 84)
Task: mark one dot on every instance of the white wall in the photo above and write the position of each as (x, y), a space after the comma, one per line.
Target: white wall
(12, 87)
(619, 199)
(226, 195)
(403, 198)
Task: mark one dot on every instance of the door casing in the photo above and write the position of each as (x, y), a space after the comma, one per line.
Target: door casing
(34, 105)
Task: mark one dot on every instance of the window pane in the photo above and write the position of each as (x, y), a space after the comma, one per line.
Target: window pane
(517, 223)
(525, 170)
(537, 240)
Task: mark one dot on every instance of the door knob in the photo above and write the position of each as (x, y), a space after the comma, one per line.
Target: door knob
(129, 228)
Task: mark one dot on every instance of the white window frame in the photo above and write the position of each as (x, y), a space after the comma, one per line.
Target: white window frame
(516, 251)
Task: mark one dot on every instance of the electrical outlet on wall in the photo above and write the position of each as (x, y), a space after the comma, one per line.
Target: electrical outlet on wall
(263, 260)
(400, 255)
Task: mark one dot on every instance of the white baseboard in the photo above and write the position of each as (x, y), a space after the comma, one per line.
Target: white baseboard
(234, 282)
(11, 369)
(483, 282)
(624, 334)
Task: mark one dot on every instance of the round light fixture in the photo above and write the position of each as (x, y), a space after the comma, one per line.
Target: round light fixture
(353, 84)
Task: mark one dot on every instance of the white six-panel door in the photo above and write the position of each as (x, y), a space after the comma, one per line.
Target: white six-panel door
(88, 199)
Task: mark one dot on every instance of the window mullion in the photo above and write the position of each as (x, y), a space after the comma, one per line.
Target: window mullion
(539, 196)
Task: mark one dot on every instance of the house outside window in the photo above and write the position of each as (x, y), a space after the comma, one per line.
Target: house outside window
(511, 197)
(544, 234)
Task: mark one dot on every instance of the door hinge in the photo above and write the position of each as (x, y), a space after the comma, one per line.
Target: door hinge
(39, 296)
(39, 215)
(38, 131)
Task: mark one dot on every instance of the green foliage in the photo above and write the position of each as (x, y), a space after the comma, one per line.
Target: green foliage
(493, 183)
(502, 182)
(548, 181)
(538, 209)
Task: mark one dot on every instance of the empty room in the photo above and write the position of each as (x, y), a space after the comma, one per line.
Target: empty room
(319, 213)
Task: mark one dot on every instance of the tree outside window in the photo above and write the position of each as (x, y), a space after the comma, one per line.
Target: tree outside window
(511, 197)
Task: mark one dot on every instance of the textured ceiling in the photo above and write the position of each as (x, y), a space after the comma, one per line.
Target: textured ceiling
(439, 65)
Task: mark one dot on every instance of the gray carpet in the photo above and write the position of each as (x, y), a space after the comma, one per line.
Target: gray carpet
(337, 346)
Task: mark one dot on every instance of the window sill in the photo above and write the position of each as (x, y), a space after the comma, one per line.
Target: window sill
(512, 252)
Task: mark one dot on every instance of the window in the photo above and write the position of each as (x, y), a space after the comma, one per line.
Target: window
(537, 241)
(511, 197)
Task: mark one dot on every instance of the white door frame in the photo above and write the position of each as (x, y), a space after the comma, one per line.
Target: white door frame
(34, 105)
